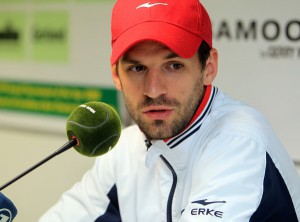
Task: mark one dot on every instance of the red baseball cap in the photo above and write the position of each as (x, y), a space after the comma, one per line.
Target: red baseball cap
(181, 25)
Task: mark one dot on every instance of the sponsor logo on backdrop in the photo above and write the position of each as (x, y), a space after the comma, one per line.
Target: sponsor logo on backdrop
(281, 38)
(8, 33)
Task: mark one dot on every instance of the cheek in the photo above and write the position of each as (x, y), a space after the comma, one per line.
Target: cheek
(132, 90)
(179, 92)
(133, 84)
(183, 86)
(190, 89)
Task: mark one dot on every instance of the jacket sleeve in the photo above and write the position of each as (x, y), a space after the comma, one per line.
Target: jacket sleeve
(227, 180)
(87, 199)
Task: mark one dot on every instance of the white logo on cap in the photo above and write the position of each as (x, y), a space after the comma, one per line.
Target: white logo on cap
(148, 5)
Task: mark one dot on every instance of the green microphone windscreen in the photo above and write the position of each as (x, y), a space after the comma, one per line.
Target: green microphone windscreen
(96, 126)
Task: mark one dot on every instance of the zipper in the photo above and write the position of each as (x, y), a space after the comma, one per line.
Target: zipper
(172, 191)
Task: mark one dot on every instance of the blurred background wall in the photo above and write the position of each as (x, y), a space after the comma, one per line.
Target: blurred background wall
(54, 55)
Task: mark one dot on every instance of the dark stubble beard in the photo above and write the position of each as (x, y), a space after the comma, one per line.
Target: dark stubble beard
(159, 129)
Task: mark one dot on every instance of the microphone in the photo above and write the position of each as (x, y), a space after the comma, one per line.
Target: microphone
(8, 211)
(95, 126)
(93, 129)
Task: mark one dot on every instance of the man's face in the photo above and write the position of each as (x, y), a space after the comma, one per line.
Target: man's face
(161, 90)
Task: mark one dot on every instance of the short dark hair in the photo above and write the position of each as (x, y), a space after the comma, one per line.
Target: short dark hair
(203, 53)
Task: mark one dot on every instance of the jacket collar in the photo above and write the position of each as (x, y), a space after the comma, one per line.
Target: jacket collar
(202, 111)
(165, 147)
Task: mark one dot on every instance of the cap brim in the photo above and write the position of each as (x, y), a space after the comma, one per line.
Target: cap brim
(182, 42)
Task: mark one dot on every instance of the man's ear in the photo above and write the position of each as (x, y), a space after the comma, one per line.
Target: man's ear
(211, 68)
(115, 77)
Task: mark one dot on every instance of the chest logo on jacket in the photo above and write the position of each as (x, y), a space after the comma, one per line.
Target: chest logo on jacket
(205, 211)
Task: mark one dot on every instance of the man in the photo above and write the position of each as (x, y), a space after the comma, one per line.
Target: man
(195, 154)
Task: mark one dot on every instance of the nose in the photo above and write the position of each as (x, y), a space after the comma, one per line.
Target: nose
(155, 84)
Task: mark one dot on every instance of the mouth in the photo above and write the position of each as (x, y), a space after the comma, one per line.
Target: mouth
(158, 112)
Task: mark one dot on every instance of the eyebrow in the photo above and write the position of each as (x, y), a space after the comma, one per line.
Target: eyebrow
(126, 59)
(172, 56)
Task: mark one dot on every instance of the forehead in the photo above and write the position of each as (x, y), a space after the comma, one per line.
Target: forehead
(148, 43)
(147, 47)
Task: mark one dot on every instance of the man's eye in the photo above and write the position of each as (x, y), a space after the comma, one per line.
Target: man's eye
(137, 68)
(176, 66)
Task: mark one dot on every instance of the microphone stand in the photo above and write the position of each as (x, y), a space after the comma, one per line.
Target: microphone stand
(62, 149)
